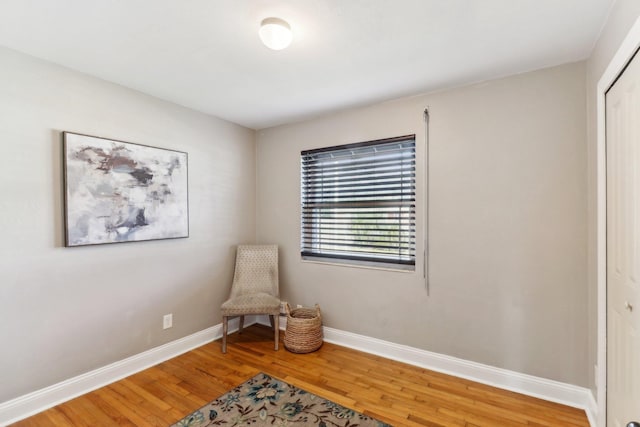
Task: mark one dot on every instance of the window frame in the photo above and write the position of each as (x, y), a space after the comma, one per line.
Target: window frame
(401, 196)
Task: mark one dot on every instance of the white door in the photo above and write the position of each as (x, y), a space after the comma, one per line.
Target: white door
(623, 247)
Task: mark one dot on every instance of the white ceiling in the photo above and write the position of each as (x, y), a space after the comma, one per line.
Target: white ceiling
(206, 54)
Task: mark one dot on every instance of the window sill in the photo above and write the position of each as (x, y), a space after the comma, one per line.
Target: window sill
(370, 265)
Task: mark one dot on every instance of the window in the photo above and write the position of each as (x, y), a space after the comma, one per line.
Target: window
(358, 203)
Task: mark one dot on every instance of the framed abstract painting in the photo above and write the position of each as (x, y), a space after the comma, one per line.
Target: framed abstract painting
(118, 191)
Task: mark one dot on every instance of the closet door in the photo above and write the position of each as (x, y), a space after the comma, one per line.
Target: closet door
(623, 243)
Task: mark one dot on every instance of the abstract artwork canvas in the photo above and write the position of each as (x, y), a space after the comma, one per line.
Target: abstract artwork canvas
(119, 191)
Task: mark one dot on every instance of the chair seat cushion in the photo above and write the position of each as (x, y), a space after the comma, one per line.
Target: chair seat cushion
(258, 303)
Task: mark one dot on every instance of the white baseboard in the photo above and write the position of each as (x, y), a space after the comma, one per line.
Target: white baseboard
(32, 403)
(39, 400)
(530, 385)
(592, 410)
(554, 391)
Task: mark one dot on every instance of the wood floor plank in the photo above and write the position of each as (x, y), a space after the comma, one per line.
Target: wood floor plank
(114, 414)
(399, 394)
(41, 422)
(54, 415)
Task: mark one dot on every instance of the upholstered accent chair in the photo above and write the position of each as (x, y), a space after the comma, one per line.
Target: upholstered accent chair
(255, 288)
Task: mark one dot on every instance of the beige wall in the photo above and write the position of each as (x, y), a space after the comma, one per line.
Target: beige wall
(622, 16)
(65, 311)
(507, 229)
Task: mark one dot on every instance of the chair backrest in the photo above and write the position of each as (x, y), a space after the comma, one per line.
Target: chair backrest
(256, 270)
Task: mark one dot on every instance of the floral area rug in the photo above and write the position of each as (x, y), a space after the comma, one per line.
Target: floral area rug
(266, 401)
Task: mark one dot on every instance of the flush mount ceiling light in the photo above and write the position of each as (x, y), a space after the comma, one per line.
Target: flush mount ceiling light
(275, 33)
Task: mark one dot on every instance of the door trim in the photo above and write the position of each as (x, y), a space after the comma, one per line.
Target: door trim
(618, 63)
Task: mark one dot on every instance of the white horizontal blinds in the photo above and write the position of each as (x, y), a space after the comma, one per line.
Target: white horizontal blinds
(358, 201)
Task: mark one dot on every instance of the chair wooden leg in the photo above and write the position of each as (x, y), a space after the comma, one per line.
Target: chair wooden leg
(276, 326)
(241, 324)
(225, 328)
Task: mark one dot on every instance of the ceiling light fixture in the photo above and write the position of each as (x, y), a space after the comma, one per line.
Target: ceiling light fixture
(275, 33)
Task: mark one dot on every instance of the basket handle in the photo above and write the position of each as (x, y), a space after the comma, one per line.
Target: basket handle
(318, 311)
(287, 309)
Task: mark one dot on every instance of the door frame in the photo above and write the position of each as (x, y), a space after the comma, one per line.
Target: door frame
(619, 61)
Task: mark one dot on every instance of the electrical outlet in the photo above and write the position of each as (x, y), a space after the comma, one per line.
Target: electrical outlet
(299, 306)
(167, 321)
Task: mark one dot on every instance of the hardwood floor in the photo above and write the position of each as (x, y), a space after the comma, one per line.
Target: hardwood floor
(399, 394)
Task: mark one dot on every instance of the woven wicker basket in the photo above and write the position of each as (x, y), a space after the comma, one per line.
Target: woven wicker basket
(304, 329)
